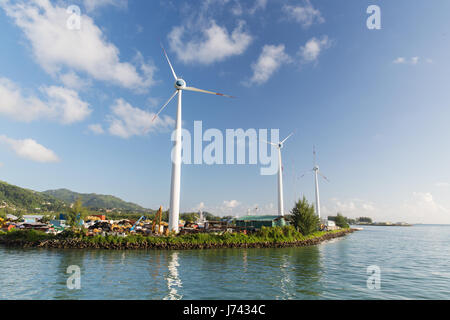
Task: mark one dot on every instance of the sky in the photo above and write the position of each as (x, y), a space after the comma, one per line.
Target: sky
(78, 94)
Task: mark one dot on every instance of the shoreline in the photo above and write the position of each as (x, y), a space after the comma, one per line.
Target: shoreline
(77, 243)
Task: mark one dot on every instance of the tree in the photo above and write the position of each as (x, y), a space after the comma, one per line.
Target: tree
(189, 217)
(341, 221)
(365, 219)
(304, 218)
(76, 213)
(46, 218)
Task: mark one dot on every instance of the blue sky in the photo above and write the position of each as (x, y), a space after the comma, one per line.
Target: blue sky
(75, 104)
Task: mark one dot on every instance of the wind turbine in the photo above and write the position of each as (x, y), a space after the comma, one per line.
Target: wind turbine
(180, 86)
(280, 146)
(317, 172)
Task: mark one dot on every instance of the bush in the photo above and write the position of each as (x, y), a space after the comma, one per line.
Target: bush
(304, 218)
(27, 235)
(341, 221)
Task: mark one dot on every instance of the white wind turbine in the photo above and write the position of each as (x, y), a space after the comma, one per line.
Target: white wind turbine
(180, 86)
(280, 146)
(316, 181)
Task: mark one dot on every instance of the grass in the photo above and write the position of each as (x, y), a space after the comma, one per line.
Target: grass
(273, 235)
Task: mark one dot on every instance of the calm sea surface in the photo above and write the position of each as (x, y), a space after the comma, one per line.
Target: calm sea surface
(414, 263)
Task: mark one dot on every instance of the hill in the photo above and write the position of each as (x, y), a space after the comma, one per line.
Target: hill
(95, 201)
(16, 198)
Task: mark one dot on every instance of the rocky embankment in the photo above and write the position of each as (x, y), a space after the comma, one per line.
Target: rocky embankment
(85, 244)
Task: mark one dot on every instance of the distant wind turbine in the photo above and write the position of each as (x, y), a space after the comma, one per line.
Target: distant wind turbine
(317, 172)
(180, 86)
(280, 146)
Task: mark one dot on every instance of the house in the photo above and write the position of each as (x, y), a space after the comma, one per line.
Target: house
(331, 225)
(257, 222)
(31, 218)
(11, 217)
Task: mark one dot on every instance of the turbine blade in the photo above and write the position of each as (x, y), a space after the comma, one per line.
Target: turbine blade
(205, 91)
(314, 154)
(168, 60)
(305, 172)
(323, 176)
(287, 138)
(165, 105)
(274, 144)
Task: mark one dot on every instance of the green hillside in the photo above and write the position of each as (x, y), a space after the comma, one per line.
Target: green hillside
(13, 197)
(95, 201)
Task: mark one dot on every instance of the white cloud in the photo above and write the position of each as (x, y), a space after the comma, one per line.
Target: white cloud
(231, 204)
(270, 60)
(56, 47)
(73, 81)
(259, 5)
(424, 209)
(30, 149)
(442, 184)
(412, 61)
(420, 207)
(200, 206)
(61, 104)
(96, 128)
(306, 15)
(72, 109)
(216, 43)
(312, 49)
(399, 60)
(127, 121)
(350, 207)
(92, 5)
(237, 9)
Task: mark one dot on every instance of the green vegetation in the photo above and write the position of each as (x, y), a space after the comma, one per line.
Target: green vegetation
(279, 235)
(23, 200)
(364, 220)
(95, 201)
(76, 213)
(304, 218)
(341, 221)
(26, 235)
(360, 220)
(19, 201)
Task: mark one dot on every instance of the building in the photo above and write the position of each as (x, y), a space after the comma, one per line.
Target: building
(59, 223)
(331, 225)
(257, 222)
(31, 218)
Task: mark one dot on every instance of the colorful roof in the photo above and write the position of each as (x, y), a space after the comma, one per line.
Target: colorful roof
(258, 218)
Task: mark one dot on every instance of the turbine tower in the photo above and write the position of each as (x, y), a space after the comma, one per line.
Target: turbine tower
(180, 86)
(316, 172)
(280, 146)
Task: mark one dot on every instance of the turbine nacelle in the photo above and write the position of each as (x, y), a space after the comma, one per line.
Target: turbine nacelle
(316, 168)
(280, 144)
(180, 84)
